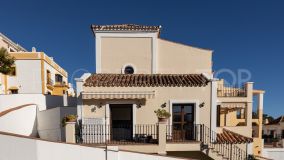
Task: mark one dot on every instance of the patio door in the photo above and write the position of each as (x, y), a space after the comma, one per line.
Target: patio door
(121, 122)
(183, 122)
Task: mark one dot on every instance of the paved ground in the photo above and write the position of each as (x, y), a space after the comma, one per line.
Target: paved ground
(190, 154)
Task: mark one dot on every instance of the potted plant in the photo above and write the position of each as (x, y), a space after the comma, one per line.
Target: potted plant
(274, 142)
(68, 118)
(162, 115)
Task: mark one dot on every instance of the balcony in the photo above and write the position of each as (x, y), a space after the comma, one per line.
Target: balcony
(49, 83)
(230, 91)
(60, 84)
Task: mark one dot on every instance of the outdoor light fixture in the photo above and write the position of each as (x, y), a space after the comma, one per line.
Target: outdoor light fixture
(100, 105)
(139, 105)
(201, 104)
(164, 105)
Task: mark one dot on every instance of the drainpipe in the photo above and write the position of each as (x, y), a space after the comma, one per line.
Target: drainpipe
(246, 150)
(105, 132)
(213, 107)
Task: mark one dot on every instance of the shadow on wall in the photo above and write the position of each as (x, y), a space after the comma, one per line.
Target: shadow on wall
(20, 121)
(49, 123)
(58, 101)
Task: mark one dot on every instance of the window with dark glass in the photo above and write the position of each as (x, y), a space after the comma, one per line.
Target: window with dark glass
(218, 115)
(183, 121)
(240, 113)
(58, 78)
(128, 70)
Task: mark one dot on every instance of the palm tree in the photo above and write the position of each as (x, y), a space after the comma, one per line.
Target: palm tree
(6, 62)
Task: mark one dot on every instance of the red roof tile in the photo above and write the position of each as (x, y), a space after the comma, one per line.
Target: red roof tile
(228, 136)
(146, 80)
(126, 27)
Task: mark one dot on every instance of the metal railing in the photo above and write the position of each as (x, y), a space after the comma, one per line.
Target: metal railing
(230, 151)
(187, 133)
(117, 134)
(231, 91)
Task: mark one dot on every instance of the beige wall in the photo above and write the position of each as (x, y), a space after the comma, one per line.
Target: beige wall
(119, 51)
(162, 95)
(177, 58)
(172, 58)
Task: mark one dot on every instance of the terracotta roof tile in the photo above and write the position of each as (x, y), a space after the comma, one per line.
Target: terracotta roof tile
(228, 136)
(125, 27)
(146, 80)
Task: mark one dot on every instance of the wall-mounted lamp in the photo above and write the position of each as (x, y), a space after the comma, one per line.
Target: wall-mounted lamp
(139, 105)
(164, 105)
(100, 105)
(93, 108)
(201, 104)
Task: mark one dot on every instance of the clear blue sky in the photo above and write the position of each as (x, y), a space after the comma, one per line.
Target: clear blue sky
(243, 34)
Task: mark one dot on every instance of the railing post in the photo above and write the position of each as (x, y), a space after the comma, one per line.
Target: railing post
(70, 132)
(231, 151)
(162, 138)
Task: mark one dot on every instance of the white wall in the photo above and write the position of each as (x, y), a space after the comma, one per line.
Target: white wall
(14, 148)
(22, 121)
(49, 123)
(43, 101)
(273, 153)
(28, 76)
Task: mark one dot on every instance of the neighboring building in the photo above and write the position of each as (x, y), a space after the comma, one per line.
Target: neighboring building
(137, 73)
(275, 128)
(35, 72)
(234, 112)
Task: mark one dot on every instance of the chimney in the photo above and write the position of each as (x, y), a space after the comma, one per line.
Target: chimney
(33, 49)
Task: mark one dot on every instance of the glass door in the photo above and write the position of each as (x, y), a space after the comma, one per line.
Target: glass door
(183, 121)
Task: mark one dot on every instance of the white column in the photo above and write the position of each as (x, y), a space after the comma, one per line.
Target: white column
(79, 89)
(70, 132)
(98, 54)
(260, 112)
(213, 105)
(249, 90)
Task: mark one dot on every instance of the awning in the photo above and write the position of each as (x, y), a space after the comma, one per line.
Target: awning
(233, 105)
(230, 107)
(119, 95)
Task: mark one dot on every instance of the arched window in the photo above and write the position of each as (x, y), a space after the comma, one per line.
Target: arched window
(128, 70)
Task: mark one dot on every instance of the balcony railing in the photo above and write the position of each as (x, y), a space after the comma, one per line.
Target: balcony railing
(230, 91)
(187, 133)
(117, 134)
(61, 84)
(49, 82)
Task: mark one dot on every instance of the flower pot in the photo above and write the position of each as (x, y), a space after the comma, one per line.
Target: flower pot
(162, 119)
(72, 120)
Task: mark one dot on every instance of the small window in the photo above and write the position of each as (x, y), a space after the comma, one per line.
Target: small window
(13, 71)
(11, 50)
(240, 113)
(58, 78)
(14, 91)
(128, 70)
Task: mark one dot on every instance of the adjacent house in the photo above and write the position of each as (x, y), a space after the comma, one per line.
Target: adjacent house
(46, 75)
(275, 128)
(138, 72)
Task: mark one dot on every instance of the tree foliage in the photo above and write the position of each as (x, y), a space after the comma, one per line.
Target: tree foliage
(6, 61)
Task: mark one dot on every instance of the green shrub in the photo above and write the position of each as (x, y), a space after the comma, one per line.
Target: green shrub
(162, 113)
(68, 118)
